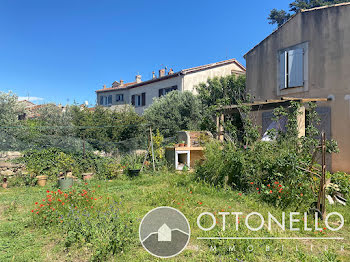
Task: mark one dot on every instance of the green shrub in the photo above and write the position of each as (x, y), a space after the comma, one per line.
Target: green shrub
(174, 112)
(107, 168)
(342, 179)
(42, 162)
(274, 169)
(21, 179)
(258, 169)
(133, 161)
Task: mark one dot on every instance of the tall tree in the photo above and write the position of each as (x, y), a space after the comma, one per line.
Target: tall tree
(174, 112)
(279, 17)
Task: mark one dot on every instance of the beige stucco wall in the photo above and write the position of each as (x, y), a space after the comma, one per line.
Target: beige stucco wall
(327, 33)
(192, 80)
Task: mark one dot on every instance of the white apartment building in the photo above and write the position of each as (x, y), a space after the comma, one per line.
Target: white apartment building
(141, 94)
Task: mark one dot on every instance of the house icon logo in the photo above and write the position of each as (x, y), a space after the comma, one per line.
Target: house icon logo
(164, 232)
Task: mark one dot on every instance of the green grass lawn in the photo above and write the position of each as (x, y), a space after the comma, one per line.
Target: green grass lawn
(20, 240)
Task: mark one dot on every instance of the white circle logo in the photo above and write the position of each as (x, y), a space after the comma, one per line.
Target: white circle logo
(164, 232)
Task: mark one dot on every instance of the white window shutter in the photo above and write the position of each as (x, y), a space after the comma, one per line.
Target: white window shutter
(295, 67)
(282, 80)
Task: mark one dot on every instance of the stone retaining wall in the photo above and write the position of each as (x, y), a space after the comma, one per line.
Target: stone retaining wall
(7, 168)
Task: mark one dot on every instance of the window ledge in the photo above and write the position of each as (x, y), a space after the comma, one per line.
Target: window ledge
(292, 90)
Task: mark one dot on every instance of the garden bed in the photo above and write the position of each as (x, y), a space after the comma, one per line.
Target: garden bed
(23, 240)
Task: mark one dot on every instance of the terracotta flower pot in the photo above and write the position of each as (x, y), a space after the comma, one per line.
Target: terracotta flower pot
(181, 145)
(87, 176)
(4, 185)
(42, 180)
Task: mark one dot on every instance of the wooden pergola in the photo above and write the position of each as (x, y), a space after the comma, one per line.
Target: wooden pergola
(264, 105)
(285, 102)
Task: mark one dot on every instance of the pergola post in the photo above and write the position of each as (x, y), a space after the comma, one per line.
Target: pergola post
(220, 118)
(220, 126)
(301, 121)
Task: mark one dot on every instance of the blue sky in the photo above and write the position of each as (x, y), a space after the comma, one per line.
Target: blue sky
(62, 51)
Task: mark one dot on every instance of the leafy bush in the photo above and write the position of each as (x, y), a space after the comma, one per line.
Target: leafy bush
(42, 162)
(272, 169)
(52, 161)
(174, 112)
(341, 179)
(109, 130)
(21, 179)
(107, 168)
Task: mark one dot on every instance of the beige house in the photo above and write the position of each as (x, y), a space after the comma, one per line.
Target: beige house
(140, 93)
(308, 57)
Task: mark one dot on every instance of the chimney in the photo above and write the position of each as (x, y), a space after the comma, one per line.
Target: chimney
(138, 78)
(170, 71)
(121, 82)
(161, 72)
(104, 86)
(153, 75)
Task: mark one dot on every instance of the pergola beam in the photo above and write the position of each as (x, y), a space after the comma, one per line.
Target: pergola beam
(265, 105)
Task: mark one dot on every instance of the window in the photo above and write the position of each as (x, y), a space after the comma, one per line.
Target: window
(164, 91)
(119, 98)
(106, 100)
(291, 68)
(138, 100)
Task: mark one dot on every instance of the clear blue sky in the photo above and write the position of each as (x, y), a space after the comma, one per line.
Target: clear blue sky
(62, 51)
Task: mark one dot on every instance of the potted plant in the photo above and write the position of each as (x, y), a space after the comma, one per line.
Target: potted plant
(134, 169)
(182, 144)
(41, 180)
(65, 163)
(87, 175)
(4, 182)
(36, 166)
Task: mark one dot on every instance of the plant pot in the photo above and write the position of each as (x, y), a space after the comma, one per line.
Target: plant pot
(65, 183)
(4, 185)
(133, 172)
(181, 145)
(87, 176)
(41, 180)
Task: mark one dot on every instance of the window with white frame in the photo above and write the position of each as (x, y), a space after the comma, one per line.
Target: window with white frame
(291, 68)
(119, 98)
(106, 100)
(138, 100)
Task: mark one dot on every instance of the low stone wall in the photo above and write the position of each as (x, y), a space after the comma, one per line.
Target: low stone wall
(7, 168)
